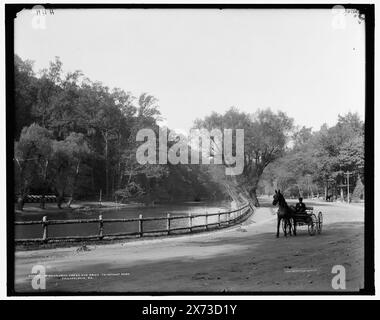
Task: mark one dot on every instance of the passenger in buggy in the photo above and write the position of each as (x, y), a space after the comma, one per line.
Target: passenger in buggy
(300, 206)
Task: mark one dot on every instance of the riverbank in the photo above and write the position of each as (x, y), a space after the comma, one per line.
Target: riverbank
(77, 206)
(34, 208)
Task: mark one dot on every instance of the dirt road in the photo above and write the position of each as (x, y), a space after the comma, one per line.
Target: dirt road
(246, 258)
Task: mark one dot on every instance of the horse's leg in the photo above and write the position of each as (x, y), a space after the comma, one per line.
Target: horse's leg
(278, 226)
(294, 227)
(288, 227)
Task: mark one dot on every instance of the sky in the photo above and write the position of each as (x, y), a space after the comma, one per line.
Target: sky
(197, 61)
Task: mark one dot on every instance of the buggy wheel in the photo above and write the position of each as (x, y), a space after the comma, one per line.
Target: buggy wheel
(320, 222)
(312, 225)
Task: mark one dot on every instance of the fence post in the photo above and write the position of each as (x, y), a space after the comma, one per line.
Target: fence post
(206, 221)
(228, 217)
(141, 225)
(45, 228)
(190, 222)
(218, 218)
(168, 223)
(100, 226)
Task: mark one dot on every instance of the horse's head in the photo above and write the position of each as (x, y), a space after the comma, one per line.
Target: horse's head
(276, 197)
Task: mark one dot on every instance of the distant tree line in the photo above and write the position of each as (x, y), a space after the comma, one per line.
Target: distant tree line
(317, 162)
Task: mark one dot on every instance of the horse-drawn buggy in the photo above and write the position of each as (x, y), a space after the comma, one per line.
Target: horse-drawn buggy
(308, 218)
(289, 218)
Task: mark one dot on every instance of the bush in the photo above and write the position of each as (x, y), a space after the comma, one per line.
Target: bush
(358, 191)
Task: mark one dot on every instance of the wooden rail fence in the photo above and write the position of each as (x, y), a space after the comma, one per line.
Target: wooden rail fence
(231, 218)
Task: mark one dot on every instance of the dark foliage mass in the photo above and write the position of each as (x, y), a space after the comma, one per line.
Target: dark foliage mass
(75, 137)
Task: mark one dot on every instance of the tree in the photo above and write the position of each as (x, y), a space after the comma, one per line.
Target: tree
(48, 89)
(301, 137)
(33, 153)
(25, 93)
(65, 105)
(317, 160)
(124, 128)
(68, 155)
(265, 137)
(359, 190)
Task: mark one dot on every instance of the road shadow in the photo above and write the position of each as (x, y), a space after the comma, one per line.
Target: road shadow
(259, 263)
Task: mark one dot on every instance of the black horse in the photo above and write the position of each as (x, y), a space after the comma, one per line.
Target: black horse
(285, 213)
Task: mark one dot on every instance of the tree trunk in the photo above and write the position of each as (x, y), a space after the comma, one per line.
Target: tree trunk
(42, 203)
(119, 171)
(93, 178)
(252, 194)
(20, 203)
(22, 187)
(112, 182)
(106, 156)
(59, 201)
(71, 199)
